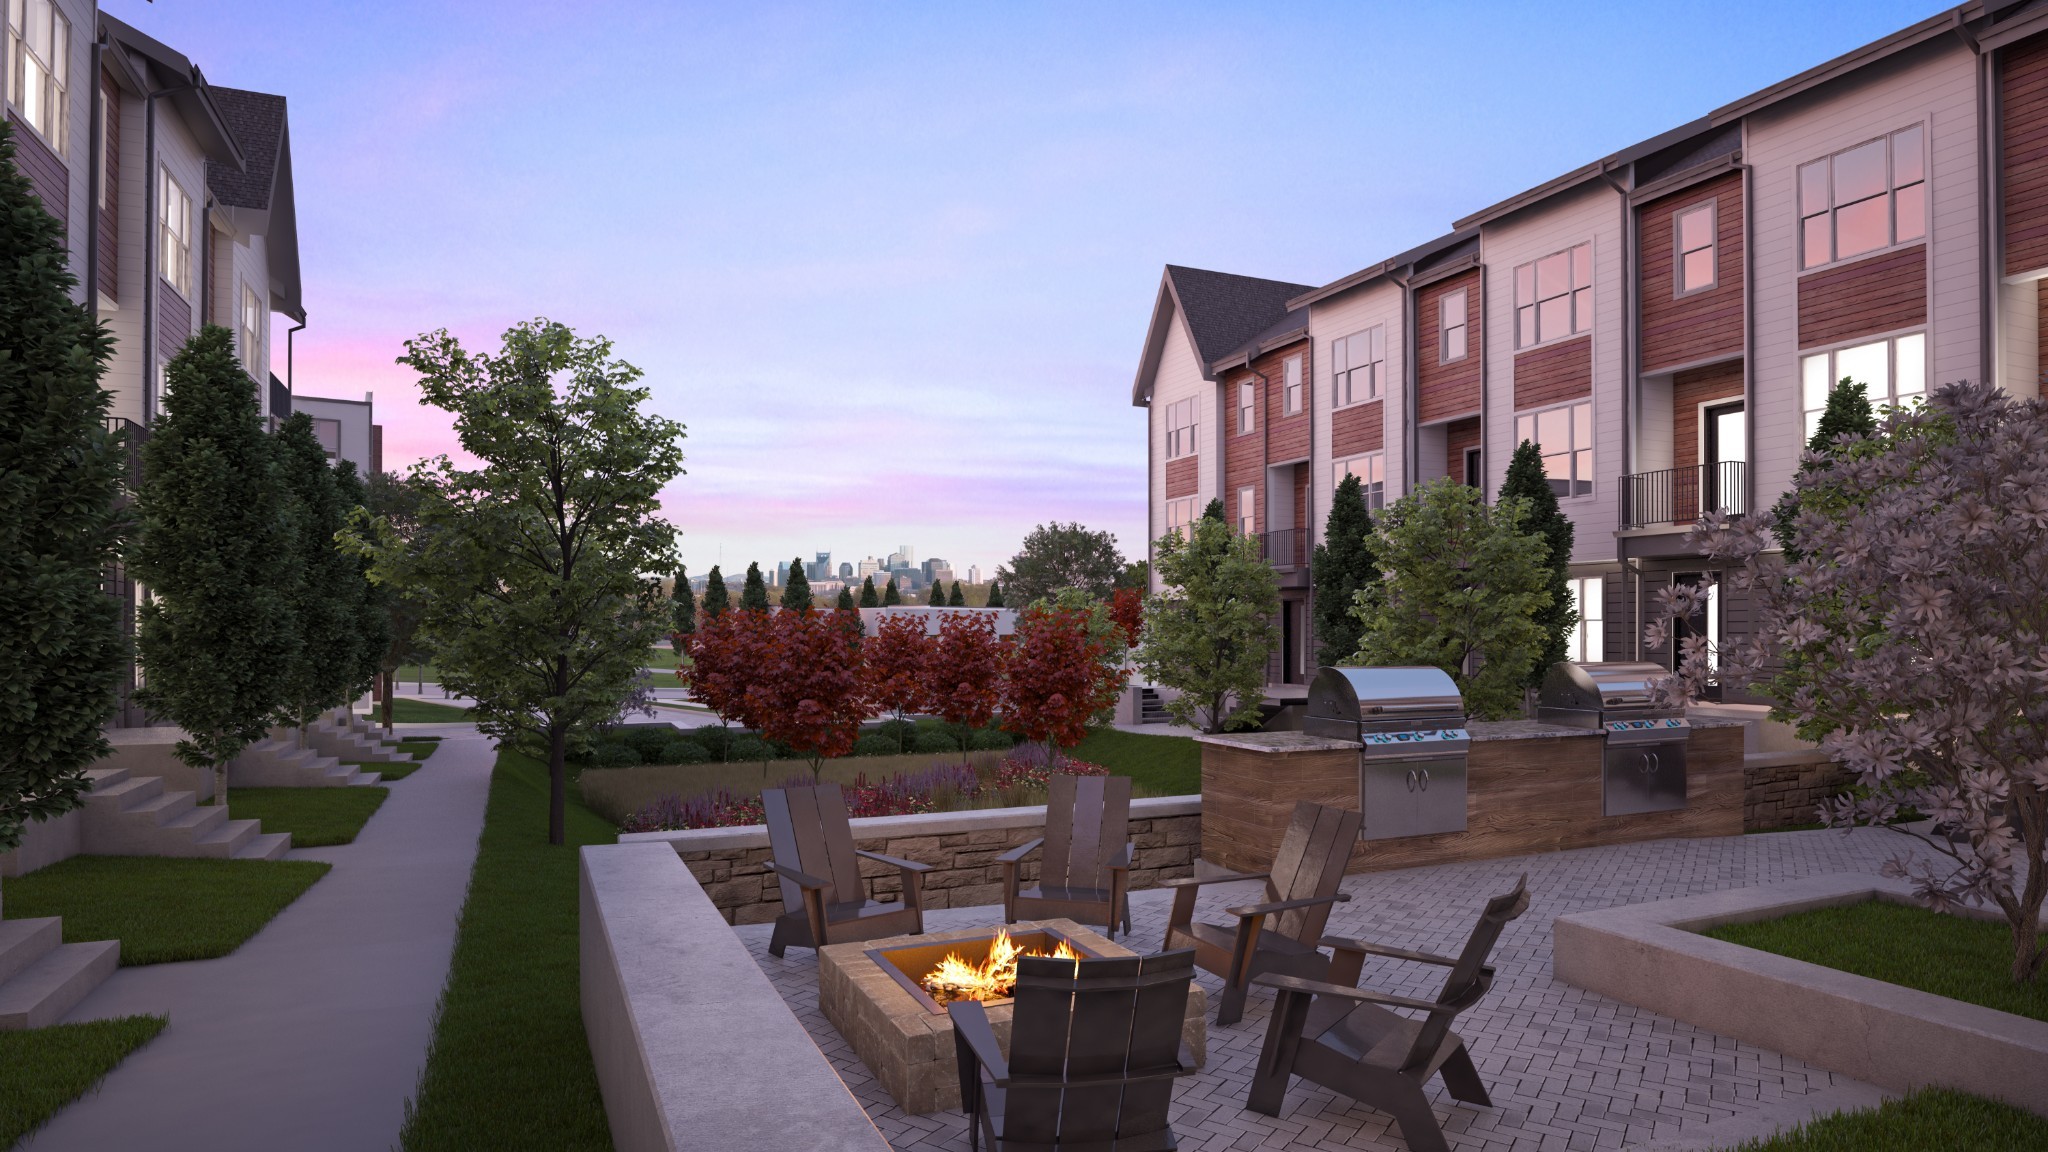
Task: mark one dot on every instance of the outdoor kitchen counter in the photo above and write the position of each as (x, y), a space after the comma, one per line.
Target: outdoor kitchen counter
(1531, 787)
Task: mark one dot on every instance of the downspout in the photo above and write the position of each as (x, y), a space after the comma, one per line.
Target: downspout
(1630, 305)
(204, 283)
(1485, 401)
(291, 386)
(1411, 435)
(1748, 325)
(1991, 220)
(96, 138)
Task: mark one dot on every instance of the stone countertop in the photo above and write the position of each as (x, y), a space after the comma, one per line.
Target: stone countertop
(1482, 730)
(1277, 742)
(1523, 730)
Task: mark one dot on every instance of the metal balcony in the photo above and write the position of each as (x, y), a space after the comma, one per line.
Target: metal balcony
(1678, 497)
(1285, 549)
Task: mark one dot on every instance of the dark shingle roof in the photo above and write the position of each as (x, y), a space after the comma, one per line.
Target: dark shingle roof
(1224, 312)
(257, 121)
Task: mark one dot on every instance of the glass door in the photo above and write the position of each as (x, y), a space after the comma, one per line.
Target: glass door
(1726, 451)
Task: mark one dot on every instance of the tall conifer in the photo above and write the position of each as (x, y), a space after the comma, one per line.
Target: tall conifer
(754, 593)
(716, 598)
(797, 593)
(1342, 564)
(1526, 480)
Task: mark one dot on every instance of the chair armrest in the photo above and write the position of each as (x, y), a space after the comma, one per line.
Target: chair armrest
(970, 1022)
(906, 865)
(1017, 854)
(1317, 987)
(802, 879)
(1286, 905)
(1122, 860)
(1350, 944)
(1198, 881)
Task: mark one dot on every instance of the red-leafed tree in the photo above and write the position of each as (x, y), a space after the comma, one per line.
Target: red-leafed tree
(963, 677)
(807, 690)
(1127, 608)
(1058, 675)
(894, 662)
(725, 654)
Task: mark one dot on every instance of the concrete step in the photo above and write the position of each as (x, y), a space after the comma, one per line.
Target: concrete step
(223, 842)
(163, 809)
(200, 822)
(42, 993)
(125, 794)
(105, 777)
(265, 846)
(365, 779)
(23, 942)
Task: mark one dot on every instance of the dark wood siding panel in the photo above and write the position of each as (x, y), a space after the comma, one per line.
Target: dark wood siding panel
(2041, 335)
(1557, 372)
(1458, 436)
(1878, 294)
(1689, 329)
(173, 321)
(2023, 96)
(1691, 389)
(1359, 428)
(1287, 436)
(46, 173)
(1447, 390)
(110, 215)
(1181, 477)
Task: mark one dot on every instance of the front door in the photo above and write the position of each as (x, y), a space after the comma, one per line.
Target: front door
(1726, 449)
(1290, 642)
(1706, 622)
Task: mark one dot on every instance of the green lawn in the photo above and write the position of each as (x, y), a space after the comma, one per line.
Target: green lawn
(1930, 1119)
(661, 656)
(419, 748)
(43, 1069)
(1157, 765)
(510, 1066)
(1946, 955)
(412, 710)
(161, 908)
(387, 770)
(316, 817)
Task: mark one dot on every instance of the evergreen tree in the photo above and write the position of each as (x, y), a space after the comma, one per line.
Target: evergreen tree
(995, 594)
(218, 555)
(323, 583)
(958, 599)
(683, 617)
(889, 594)
(754, 593)
(1526, 481)
(868, 599)
(1213, 510)
(1848, 414)
(716, 598)
(846, 599)
(797, 593)
(59, 530)
(1342, 565)
(369, 603)
(936, 597)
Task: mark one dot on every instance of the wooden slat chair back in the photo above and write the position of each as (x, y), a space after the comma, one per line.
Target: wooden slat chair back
(1094, 1049)
(1309, 864)
(1085, 855)
(1470, 978)
(824, 899)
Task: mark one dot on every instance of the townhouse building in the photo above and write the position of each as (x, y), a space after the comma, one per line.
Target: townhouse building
(1663, 323)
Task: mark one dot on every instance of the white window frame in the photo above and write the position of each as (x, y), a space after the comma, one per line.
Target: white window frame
(174, 227)
(1180, 512)
(1180, 437)
(1291, 390)
(1820, 369)
(1358, 367)
(1247, 407)
(39, 69)
(1711, 208)
(1462, 330)
(1371, 470)
(1247, 510)
(1577, 295)
(1577, 481)
(1814, 197)
(1589, 640)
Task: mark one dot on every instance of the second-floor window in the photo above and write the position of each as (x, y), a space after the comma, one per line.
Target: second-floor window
(1564, 435)
(1693, 255)
(1358, 366)
(1180, 428)
(175, 226)
(1451, 326)
(1371, 470)
(328, 433)
(1247, 504)
(1179, 514)
(1864, 198)
(1290, 390)
(1247, 407)
(1892, 371)
(38, 67)
(252, 332)
(1554, 297)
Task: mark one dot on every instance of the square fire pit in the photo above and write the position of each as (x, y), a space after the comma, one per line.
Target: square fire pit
(869, 990)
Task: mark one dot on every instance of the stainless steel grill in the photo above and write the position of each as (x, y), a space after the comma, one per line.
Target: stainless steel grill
(1643, 764)
(1410, 727)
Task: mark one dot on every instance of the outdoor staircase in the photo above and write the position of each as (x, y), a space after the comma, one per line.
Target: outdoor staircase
(279, 762)
(41, 977)
(136, 816)
(1152, 710)
(344, 742)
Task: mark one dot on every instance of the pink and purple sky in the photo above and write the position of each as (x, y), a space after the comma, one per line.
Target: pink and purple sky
(892, 264)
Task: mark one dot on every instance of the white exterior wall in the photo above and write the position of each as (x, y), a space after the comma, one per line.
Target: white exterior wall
(177, 151)
(1936, 85)
(2019, 334)
(1331, 319)
(248, 265)
(1179, 376)
(124, 373)
(1592, 212)
(355, 416)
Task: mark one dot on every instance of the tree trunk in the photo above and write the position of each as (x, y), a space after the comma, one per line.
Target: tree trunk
(390, 690)
(220, 783)
(2026, 945)
(558, 784)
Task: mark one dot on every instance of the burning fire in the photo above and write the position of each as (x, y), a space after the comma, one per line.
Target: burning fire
(995, 978)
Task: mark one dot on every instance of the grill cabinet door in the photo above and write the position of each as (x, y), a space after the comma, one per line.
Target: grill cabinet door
(1642, 778)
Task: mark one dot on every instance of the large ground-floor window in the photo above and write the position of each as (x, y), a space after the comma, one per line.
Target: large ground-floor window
(1589, 640)
(1892, 371)
(1564, 434)
(1371, 470)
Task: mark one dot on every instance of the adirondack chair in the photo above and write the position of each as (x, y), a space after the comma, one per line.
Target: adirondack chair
(1086, 867)
(1094, 1048)
(1342, 1038)
(1299, 892)
(823, 898)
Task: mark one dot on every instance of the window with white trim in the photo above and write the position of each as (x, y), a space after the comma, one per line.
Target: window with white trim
(1864, 198)
(251, 333)
(1694, 248)
(1554, 297)
(1892, 371)
(1180, 428)
(1589, 640)
(1247, 407)
(1371, 470)
(1451, 326)
(1564, 435)
(39, 68)
(1290, 390)
(174, 225)
(1179, 514)
(1358, 366)
(1247, 508)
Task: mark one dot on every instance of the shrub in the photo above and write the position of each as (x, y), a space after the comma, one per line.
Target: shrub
(990, 739)
(929, 741)
(717, 741)
(876, 744)
(749, 748)
(902, 733)
(616, 755)
(683, 752)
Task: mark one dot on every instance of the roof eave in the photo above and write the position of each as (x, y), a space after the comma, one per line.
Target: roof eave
(193, 98)
(1934, 27)
(1163, 309)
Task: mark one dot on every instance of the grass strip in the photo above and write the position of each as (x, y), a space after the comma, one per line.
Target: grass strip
(418, 748)
(509, 1066)
(160, 908)
(43, 1069)
(412, 710)
(316, 817)
(1157, 765)
(1928, 1119)
(1969, 960)
(387, 770)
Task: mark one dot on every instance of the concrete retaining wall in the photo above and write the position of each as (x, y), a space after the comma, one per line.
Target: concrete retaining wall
(961, 847)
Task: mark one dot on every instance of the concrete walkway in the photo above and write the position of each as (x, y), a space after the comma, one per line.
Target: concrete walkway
(312, 1035)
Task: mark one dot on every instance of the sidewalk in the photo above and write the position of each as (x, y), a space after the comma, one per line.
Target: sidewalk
(312, 1035)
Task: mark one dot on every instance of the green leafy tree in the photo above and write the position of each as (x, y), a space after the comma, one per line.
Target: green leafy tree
(323, 591)
(366, 599)
(754, 593)
(890, 596)
(716, 598)
(957, 599)
(846, 599)
(1526, 482)
(683, 614)
(797, 593)
(541, 594)
(1210, 632)
(1464, 586)
(1342, 565)
(1136, 574)
(389, 538)
(995, 594)
(1056, 556)
(60, 470)
(868, 599)
(1848, 413)
(218, 553)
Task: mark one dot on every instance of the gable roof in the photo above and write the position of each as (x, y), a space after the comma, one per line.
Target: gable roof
(1223, 313)
(186, 88)
(256, 120)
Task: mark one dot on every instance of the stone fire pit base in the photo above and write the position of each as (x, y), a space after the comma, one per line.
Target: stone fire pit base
(908, 1047)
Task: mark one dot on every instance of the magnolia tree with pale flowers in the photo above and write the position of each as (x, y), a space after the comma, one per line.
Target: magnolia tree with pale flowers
(1909, 639)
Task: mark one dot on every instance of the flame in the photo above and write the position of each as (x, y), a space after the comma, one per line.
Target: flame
(995, 978)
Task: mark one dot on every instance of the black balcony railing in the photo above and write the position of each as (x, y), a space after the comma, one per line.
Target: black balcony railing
(1285, 548)
(1677, 497)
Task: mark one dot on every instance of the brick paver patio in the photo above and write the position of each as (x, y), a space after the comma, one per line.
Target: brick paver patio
(1567, 1069)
